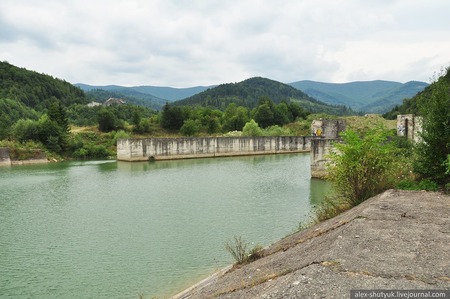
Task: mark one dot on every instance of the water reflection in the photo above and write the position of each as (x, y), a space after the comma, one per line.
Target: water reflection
(318, 190)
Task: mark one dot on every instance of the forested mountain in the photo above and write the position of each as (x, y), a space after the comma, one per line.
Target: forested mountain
(367, 96)
(129, 95)
(36, 90)
(409, 105)
(152, 93)
(249, 92)
(37, 111)
(171, 94)
(27, 94)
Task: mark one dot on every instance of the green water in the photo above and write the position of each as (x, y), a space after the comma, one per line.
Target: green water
(110, 229)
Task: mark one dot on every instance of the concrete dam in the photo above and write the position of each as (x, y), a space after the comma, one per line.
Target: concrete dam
(324, 133)
(200, 147)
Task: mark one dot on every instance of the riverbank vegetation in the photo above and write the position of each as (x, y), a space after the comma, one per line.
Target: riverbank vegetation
(67, 123)
(371, 159)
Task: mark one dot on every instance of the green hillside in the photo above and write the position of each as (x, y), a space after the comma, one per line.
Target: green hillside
(409, 105)
(395, 97)
(248, 93)
(27, 94)
(36, 90)
(40, 111)
(129, 95)
(154, 94)
(367, 96)
(171, 94)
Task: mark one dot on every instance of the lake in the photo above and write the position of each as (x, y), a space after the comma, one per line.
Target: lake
(108, 229)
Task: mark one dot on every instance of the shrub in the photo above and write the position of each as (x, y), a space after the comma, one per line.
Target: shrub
(434, 106)
(363, 166)
(190, 127)
(407, 185)
(25, 129)
(238, 249)
(425, 184)
(107, 120)
(118, 135)
(276, 131)
(255, 253)
(428, 185)
(23, 150)
(331, 206)
(251, 129)
(93, 146)
(447, 188)
(143, 126)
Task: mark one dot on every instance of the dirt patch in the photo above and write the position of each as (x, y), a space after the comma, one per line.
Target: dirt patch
(396, 240)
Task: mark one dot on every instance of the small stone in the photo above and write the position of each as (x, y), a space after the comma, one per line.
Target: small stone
(357, 236)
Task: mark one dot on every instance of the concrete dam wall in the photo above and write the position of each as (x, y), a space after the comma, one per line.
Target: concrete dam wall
(197, 147)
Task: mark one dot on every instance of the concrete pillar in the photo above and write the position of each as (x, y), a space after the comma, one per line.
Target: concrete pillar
(320, 148)
(4, 156)
(410, 126)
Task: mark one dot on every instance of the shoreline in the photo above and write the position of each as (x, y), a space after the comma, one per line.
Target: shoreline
(203, 283)
(383, 243)
(24, 162)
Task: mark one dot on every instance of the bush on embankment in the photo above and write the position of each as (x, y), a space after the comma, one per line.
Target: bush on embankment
(362, 166)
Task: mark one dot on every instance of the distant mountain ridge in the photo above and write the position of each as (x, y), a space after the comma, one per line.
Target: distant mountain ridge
(168, 94)
(377, 96)
(249, 92)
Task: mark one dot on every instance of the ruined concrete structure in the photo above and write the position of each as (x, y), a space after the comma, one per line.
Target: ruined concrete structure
(181, 148)
(320, 148)
(327, 128)
(325, 133)
(4, 156)
(8, 158)
(410, 126)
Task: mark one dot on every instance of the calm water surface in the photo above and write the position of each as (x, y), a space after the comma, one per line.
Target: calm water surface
(110, 229)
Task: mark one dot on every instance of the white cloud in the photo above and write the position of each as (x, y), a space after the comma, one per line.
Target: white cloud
(180, 43)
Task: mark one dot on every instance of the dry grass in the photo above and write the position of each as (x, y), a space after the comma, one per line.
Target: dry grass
(360, 123)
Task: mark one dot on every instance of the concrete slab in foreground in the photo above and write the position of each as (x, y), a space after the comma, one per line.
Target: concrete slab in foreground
(396, 240)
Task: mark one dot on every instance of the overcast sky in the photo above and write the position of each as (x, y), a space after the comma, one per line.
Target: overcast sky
(205, 42)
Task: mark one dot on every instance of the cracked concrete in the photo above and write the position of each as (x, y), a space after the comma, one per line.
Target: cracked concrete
(396, 240)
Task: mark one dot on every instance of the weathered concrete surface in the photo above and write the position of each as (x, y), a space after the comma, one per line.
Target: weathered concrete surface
(144, 149)
(7, 158)
(320, 149)
(4, 156)
(410, 126)
(396, 240)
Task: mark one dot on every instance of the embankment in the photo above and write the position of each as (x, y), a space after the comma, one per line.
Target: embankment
(201, 147)
(396, 240)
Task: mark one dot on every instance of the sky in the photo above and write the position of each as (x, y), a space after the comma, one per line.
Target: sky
(207, 42)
